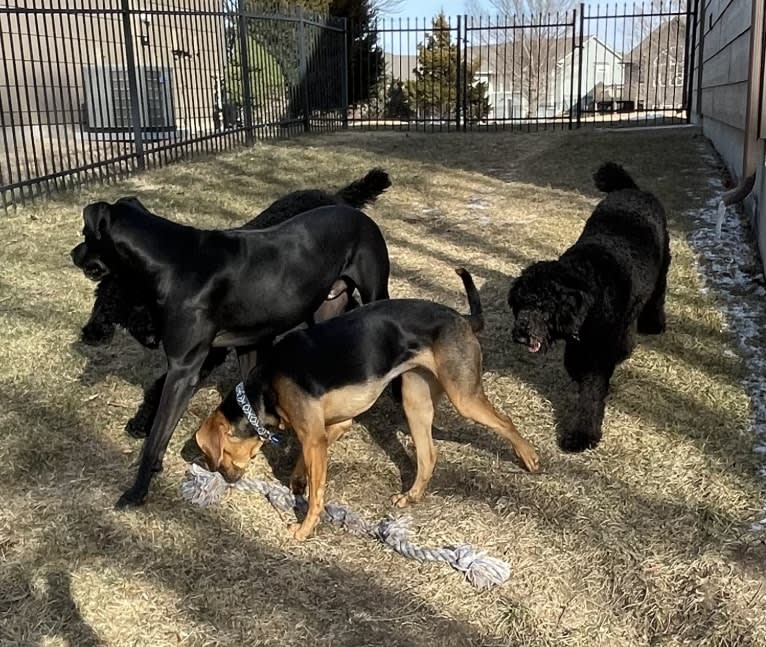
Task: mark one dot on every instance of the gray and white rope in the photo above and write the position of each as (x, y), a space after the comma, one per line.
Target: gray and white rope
(204, 488)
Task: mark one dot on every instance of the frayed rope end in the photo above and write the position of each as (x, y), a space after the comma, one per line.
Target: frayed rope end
(480, 569)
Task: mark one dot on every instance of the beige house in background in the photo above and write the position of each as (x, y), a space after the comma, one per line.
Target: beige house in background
(728, 98)
(70, 66)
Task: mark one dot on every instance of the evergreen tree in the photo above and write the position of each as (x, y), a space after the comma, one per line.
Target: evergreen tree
(365, 58)
(440, 83)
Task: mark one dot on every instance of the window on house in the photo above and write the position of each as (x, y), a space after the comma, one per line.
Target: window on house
(667, 71)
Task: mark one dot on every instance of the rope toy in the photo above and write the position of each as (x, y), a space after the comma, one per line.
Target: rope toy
(204, 488)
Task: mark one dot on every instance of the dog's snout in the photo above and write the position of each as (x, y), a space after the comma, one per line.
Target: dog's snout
(232, 474)
(520, 337)
(77, 254)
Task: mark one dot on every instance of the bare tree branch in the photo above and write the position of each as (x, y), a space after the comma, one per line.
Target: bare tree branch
(519, 7)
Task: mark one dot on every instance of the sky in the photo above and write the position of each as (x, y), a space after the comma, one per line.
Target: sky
(430, 8)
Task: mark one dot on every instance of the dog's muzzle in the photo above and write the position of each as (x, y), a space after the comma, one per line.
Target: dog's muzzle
(530, 331)
(533, 344)
(93, 268)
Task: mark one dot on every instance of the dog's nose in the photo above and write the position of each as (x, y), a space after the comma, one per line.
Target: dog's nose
(76, 253)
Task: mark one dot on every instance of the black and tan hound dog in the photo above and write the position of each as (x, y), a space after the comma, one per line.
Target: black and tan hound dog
(318, 379)
(235, 288)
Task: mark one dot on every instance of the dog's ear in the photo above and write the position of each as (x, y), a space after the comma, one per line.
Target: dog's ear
(97, 217)
(573, 306)
(210, 438)
(133, 202)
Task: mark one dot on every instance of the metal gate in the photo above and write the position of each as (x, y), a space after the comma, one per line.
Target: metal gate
(610, 65)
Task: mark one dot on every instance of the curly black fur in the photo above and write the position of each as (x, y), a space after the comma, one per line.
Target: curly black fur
(602, 290)
(122, 303)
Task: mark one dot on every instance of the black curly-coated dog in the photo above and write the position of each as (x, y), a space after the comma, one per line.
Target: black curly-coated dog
(608, 285)
(123, 303)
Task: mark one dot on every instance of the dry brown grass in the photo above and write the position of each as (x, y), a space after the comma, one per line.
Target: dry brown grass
(643, 542)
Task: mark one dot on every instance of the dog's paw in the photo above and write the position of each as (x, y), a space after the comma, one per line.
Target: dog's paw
(575, 442)
(130, 499)
(94, 335)
(298, 484)
(651, 325)
(528, 455)
(299, 531)
(406, 499)
(136, 429)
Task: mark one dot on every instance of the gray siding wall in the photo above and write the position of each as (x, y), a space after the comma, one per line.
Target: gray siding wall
(720, 97)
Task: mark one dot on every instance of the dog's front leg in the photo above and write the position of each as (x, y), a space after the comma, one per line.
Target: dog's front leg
(314, 454)
(100, 326)
(586, 434)
(140, 424)
(176, 393)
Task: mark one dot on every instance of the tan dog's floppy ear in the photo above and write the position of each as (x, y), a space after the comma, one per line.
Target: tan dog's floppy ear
(210, 439)
(97, 216)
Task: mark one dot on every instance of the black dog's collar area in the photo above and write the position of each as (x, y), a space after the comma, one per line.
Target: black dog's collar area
(249, 413)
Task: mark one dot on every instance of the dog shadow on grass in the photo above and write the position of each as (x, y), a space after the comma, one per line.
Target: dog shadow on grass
(218, 570)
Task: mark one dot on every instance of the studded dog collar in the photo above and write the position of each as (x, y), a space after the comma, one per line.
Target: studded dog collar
(247, 409)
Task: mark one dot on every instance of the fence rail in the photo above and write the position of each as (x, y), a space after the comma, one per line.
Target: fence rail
(608, 65)
(96, 89)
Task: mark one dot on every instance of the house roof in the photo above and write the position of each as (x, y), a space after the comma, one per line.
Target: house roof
(672, 32)
(400, 66)
(500, 59)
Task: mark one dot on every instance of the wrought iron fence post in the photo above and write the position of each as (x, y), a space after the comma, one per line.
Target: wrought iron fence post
(689, 56)
(571, 72)
(466, 80)
(579, 63)
(244, 65)
(344, 82)
(303, 69)
(135, 106)
(458, 92)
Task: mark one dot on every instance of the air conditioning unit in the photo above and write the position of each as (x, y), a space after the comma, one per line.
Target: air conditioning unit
(107, 99)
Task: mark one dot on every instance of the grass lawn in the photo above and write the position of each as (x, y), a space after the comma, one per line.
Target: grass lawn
(645, 541)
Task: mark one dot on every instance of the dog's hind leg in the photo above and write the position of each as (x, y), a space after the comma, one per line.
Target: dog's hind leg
(651, 321)
(459, 372)
(420, 394)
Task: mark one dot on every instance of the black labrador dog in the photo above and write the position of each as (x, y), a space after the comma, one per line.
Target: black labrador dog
(609, 285)
(121, 302)
(235, 288)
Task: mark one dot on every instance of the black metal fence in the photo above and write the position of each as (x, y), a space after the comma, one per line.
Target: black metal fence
(612, 64)
(93, 89)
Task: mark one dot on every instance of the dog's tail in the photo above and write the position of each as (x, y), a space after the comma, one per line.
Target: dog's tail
(476, 318)
(366, 190)
(612, 177)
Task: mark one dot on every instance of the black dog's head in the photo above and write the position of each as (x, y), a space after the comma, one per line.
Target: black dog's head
(549, 304)
(96, 255)
(92, 254)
